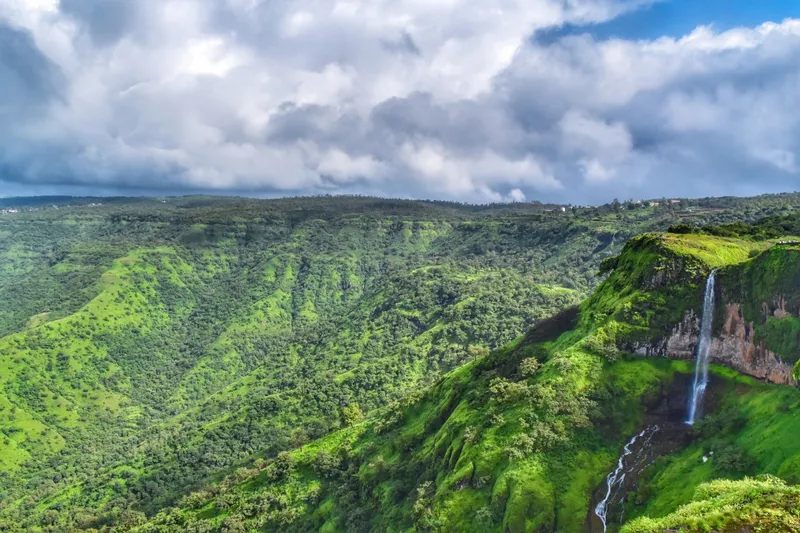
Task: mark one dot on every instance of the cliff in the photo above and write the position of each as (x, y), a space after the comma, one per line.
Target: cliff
(523, 438)
(654, 299)
(734, 346)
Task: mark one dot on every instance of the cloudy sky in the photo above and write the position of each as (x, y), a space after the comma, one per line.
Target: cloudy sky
(474, 100)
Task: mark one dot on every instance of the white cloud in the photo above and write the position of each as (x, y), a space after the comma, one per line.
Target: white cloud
(445, 98)
(473, 177)
(586, 134)
(515, 195)
(297, 23)
(346, 168)
(602, 147)
(208, 56)
(595, 172)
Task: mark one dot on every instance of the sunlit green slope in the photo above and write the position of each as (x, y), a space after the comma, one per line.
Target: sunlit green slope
(765, 503)
(521, 439)
(151, 348)
(60, 377)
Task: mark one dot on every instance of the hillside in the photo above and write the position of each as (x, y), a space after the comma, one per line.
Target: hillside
(523, 439)
(766, 503)
(152, 347)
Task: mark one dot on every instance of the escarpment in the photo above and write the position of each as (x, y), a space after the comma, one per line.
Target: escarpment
(734, 345)
(756, 327)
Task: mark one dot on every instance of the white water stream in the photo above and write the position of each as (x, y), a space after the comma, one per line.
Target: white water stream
(703, 349)
(616, 479)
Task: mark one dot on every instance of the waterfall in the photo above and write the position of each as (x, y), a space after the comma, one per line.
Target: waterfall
(703, 349)
(616, 479)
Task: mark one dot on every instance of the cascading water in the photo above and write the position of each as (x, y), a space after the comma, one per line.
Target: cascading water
(628, 462)
(643, 448)
(703, 349)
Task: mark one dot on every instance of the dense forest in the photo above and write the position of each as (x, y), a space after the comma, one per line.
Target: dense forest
(521, 440)
(161, 357)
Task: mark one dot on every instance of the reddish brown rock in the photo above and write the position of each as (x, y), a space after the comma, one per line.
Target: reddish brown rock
(733, 347)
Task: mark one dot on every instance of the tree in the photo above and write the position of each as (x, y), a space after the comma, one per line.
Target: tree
(351, 415)
(529, 367)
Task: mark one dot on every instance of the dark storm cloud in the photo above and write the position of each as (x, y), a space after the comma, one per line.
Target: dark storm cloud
(292, 123)
(29, 83)
(28, 78)
(426, 99)
(404, 43)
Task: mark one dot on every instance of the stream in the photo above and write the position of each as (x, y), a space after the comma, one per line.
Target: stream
(667, 430)
(660, 437)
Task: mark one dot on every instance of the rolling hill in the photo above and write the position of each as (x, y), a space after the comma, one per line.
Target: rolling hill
(522, 439)
(355, 363)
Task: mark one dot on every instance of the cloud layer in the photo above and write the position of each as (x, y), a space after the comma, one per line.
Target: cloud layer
(452, 99)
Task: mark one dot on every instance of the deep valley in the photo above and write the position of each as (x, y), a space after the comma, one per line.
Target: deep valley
(357, 364)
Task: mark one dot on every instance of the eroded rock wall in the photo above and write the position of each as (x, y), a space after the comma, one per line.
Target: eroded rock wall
(733, 346)
(736, 348)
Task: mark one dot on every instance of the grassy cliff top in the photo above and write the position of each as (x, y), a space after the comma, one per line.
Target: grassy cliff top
(711, 251)
(762, 504)
(655, 280)
(715, 252)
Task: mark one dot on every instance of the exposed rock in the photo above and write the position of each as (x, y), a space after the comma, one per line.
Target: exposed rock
(680, 344)
(781, 311)
(733, 346)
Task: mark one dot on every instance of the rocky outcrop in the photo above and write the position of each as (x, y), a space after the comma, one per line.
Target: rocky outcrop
(780, 311)
(733, 346)
(680, 344)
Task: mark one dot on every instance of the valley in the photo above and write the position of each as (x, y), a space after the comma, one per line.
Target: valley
(356, 364)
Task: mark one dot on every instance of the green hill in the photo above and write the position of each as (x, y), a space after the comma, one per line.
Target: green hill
(321, 363)
(521, 440)
(762, 504)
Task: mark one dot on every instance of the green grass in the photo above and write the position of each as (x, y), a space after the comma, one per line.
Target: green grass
(761, 504)
(714, 252)
(202, 337)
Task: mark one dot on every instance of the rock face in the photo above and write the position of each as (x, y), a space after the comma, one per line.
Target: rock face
(733, 346)
(680, 344)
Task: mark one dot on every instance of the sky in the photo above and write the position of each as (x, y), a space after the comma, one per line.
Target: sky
(570, 101)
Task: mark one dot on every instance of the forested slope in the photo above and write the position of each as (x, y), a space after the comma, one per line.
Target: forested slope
(522, 439)
(149, 347)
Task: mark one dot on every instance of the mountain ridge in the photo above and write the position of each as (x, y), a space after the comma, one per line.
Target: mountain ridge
(270, 324)
(503, 468)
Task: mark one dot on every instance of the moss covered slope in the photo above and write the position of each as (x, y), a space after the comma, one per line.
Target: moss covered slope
(762, 504)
